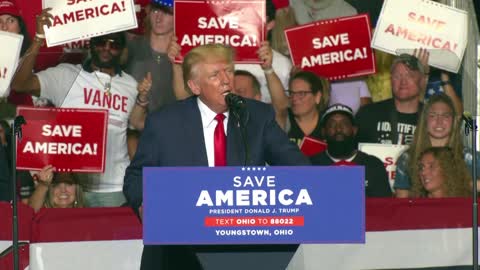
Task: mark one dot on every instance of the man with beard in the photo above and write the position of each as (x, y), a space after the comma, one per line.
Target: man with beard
(339, 129)
(97, 84)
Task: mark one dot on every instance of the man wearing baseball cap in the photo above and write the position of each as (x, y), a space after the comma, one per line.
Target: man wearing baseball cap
(393, 121)
(338, 127)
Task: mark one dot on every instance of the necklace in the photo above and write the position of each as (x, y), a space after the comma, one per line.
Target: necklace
(157, 56)
(106, 86)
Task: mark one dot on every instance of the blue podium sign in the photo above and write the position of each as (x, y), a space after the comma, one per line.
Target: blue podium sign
(253, 205)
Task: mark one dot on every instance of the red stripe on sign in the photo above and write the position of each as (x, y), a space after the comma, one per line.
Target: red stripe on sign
(408, 214)
(254, 221)
(94, 224)
(24, 217)
(85, 224)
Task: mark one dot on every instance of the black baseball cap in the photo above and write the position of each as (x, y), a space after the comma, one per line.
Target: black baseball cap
(337, 108)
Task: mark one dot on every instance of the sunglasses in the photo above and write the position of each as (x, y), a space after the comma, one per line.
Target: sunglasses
(114, 44)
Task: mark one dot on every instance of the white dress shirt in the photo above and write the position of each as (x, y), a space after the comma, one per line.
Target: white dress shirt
(209, 123)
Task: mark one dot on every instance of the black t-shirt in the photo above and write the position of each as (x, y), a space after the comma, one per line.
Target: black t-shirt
(376, 178)
(295, 133)
(381, 123)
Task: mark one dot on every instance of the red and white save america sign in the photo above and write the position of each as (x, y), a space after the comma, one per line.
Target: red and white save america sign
(69, 139)
(336, 49)
(237, 23)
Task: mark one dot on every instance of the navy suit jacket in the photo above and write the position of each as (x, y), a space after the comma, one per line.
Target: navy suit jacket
(173, 136)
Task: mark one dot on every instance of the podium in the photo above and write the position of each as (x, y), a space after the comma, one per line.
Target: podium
(252, 217)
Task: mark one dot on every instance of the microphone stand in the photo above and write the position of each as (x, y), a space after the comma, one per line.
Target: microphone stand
(471, 126)
(16, 131)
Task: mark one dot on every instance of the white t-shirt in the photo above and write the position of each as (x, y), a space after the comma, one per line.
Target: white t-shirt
(349, 93)
(280, 64)
(69, 86)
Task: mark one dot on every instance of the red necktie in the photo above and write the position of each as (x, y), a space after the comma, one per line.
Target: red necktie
(220, 142)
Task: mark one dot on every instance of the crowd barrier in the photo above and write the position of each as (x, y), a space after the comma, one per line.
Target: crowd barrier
(401, 233)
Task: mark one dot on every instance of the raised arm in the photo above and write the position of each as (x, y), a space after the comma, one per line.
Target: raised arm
(423, 55)
(139, 112)
(178, 83)
(277, 91)
(24, 81)
(450, 91)
(44, 180)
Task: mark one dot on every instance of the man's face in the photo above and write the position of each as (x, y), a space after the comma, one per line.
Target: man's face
(244, 87)
(106, 51)
(211, 81)
(161, 22)
(406, 83)
(339, 127)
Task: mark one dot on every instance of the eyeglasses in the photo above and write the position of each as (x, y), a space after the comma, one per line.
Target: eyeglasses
(114, 44)
(299, 94)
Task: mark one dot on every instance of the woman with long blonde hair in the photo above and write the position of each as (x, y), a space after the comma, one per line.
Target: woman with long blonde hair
(60, 190)
(438, 126)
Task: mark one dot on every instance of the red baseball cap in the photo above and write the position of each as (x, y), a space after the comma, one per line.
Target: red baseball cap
(280, 3)
(9, 7)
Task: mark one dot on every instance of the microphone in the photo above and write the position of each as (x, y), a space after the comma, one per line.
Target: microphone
(235, 102)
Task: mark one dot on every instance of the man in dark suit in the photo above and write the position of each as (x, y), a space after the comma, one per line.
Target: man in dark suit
(186, 134)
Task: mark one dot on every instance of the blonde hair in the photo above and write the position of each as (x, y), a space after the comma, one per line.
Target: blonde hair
(421, 139)
(202, 54)
(79, 197)
(454, 170)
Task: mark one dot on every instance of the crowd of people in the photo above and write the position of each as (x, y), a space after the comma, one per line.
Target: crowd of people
(142, 69)
(175, 113)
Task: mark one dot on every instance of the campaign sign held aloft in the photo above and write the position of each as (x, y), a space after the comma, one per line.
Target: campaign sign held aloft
(253, 205)
(8, 59)
(336, 49)
(81, 19)
(69, 139)
(405, 25)
(237, 23)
